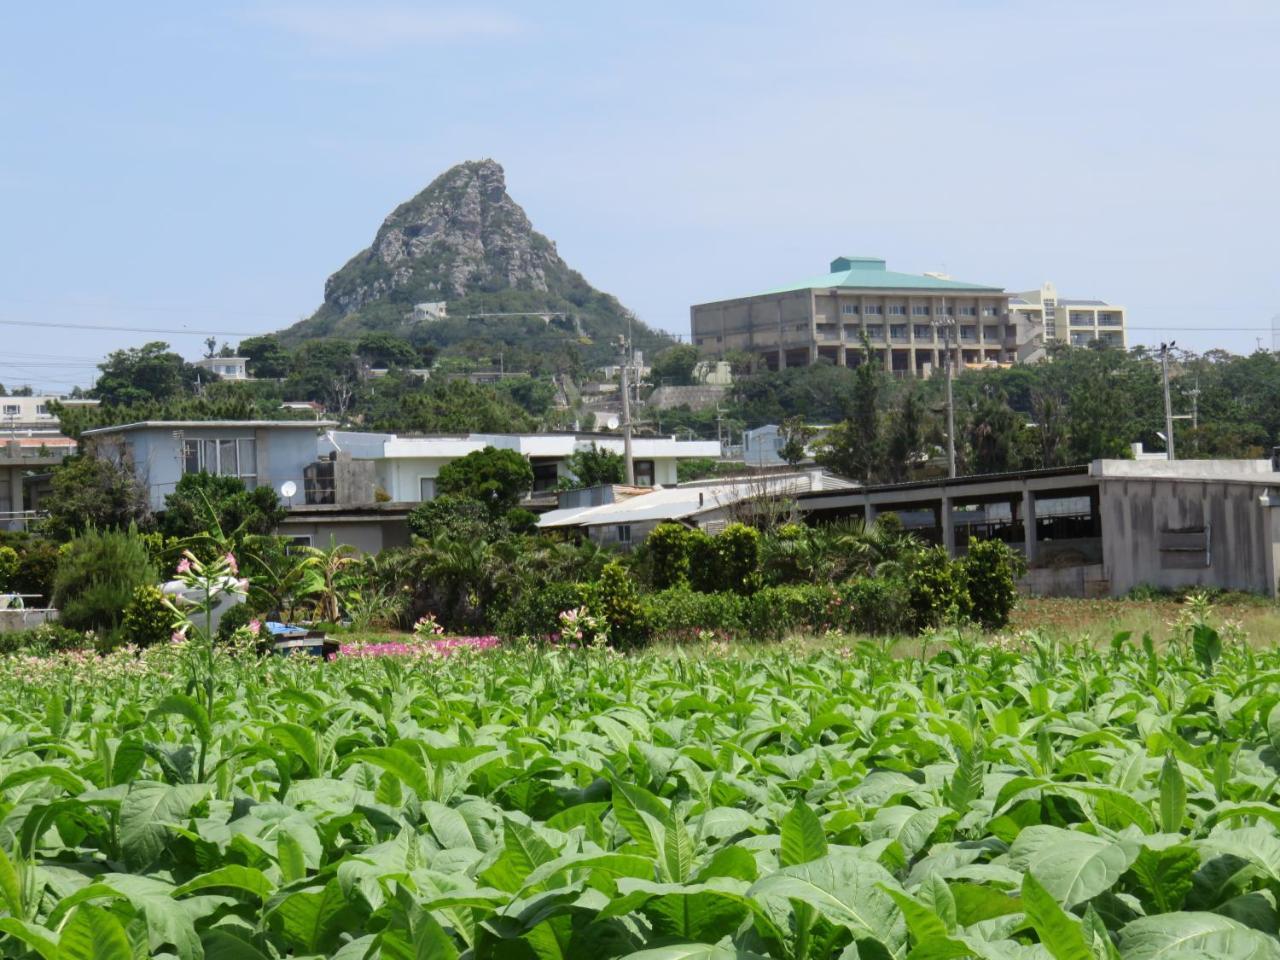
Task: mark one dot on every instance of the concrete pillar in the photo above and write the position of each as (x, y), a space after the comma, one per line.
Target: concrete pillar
(813, 354)
(1029, 523)
(948, 527)
(869, 515)
(842, 355)
(782, 357)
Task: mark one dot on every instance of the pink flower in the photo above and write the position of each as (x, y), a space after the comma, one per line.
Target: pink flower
(243, 584)
(178, 637)
(255, 627)
(230, 558)
(184, 566)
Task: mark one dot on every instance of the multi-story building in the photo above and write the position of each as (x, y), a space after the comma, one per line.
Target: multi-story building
(1045, 317)
(905, 317)
(228, 368)
(34, 414)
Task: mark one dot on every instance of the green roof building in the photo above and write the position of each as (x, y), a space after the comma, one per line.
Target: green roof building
(904, 317)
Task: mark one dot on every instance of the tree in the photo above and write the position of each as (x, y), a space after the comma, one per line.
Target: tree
(459, 406)
(203, 502)
(90, 492)
(96, 578)
(497, 478)
(267, 358)
(906, 442)
(149, 372)
(993, 436)
(593, 466)
(674, 365)
(853, 447)
(457, 518)
(384, 350)
(795, 435)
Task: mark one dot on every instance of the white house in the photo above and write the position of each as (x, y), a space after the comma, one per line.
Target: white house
(407, 467)
(228, 368)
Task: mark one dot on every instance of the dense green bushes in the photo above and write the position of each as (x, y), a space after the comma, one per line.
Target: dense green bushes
(96, 579)
(147, 621)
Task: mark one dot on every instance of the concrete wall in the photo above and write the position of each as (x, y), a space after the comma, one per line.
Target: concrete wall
(366, 536)
(1150, 534)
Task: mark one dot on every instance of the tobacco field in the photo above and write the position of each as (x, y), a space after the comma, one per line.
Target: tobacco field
(1014, 799)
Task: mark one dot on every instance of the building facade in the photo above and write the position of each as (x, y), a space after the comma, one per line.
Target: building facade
(1045, 317)
(904, 317)
(228, 368)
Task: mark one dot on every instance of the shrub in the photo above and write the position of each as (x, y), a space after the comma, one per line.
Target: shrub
(96, 577)
(876, 605)
(235, 618)
(991, 571)
(37, 561)
(774, 612)
(935, 588)
(668, 549)
(615, 598)
(536, 611)
(679, 613)
(737, 557)
(9, 564)
(497, 478)
(521, 521)
(147, 621)
(44, 639)
(456, 517)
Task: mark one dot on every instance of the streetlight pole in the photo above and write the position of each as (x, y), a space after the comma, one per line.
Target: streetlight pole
(946, 324)
(628, 463)
(1168, 406)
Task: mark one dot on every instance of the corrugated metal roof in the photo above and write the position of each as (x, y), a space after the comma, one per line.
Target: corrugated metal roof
(870, 273)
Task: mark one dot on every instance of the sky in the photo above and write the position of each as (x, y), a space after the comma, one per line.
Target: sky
(202, 168)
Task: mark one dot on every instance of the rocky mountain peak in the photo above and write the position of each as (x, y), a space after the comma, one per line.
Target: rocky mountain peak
(462, 234)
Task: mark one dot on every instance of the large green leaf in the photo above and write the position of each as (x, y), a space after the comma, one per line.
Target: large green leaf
(1060, 933)
(93, 933)
(803, 838)
(846, 889)
(148, 812)
(1186, 935)
(1073, 866)
(181, 705)
(694, 951)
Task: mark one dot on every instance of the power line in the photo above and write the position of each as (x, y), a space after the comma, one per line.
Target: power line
(191, 331)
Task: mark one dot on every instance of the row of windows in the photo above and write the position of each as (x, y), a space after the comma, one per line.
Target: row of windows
(14, 410)
(917, 310)
(226, 458)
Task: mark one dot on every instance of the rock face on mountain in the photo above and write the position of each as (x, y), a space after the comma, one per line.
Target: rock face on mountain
(463, 240)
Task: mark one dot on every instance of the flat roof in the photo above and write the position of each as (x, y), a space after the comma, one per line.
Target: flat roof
(197, 424)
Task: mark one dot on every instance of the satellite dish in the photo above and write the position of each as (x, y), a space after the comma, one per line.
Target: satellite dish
(288, 489)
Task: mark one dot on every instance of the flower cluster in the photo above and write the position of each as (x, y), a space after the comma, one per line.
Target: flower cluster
(428, 627)
(432, 649)
(578, 626)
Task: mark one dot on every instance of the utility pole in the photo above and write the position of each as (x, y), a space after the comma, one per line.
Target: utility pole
(629, 464)
(1168, 407)
(946, 324)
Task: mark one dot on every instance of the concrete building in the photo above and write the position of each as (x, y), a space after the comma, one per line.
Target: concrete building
(259, 452)
(25, 463)
(228, 368)
(762, 446)
(825, 318)
(31, 416)
(1100, 529)
(407, 467)
(1043, 317)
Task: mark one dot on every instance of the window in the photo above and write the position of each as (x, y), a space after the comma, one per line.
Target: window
(990, 312)
(699, 341)
(10, 409)
(923, 331)
(991, 333)
(873, 310)
(1081, 318)
(546, 475)
(42, 410)
(920, 310)
(897, 310)
(875, 331)
(227, 458)
(849, 309)
(426, 488)
(969, 333)
(624, 533)
(942, 311)
(644, 473)
(968, 311)
(898, 331)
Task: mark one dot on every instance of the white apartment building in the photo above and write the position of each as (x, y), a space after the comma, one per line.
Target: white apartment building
(406, 468)
(1043, 314)
(228, 368)
(30, 415)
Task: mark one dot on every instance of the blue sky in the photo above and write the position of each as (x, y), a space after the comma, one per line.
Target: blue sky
(206, 166)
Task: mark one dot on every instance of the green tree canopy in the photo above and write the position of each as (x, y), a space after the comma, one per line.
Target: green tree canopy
(201, 500)
(267, 357)
(593, 466)
(151, 372)
(384, 350)
(495, 477)
(674, 365)
(89, 492)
